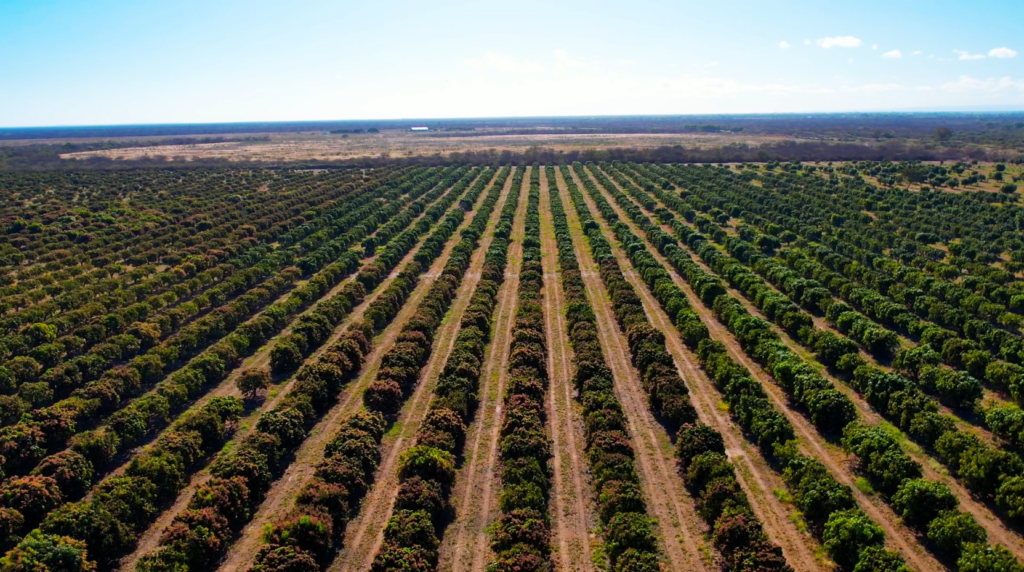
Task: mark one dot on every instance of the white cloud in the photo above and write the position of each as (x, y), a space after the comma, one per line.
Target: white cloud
(965, 56)
(917, 53)
(565, 61)
(840, 42)
(991, 85)
(807, 42)
(504, 64)
(893, 55)
(1002, 53)
(874, 47)
(784, 45)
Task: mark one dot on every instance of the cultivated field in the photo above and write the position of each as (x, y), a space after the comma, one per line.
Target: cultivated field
(628, 367)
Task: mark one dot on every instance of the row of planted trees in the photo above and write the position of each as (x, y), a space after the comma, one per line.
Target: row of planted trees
(307, 537)
(954, 534)
(737, 534)
(985, 470)
(423, 507)
(278, 431)
(87, 457)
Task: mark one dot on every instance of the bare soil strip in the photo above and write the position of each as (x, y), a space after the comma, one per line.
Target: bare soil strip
(679, 528)
(283, 492)
(573, 513)
(365, 533)
(931, 468)
(810, 441)
(151, 538)
(465, 544)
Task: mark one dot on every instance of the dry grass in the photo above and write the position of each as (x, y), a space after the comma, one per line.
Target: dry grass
(320, 147)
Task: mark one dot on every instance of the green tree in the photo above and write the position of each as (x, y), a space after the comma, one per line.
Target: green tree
(285, 357)
(878, 559)
(981, 557)
(847, 533)
(954, 529)
(47, 552)
(919, 501)
(253, 381)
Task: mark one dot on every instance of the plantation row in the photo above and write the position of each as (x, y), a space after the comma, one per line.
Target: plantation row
(246, 404)
(351, 456)
(984, 470)
(288, 424)
(64, 475)
(890, 469)
(331, 310)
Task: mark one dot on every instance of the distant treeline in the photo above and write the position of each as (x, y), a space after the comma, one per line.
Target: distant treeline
(814, 125)
(46, 157)
(733, 153)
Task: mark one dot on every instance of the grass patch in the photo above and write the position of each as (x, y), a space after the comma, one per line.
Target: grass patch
(864, 486)
(798, 520)
(599, 558)
(783, 495)
(722, 406)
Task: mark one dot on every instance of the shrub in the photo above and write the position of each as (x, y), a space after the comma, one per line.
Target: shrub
(428, 463)
(311, 533)
(878, 559)
(39, 551)
(951, 530)
(847, 533)
(980, 557)
(919, 501)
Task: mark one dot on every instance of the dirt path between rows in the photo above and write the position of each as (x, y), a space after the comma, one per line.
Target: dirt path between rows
(150, 539)
(574, 511)
(282, 493)
(810, 441)
(680, 530)
(931, 468)
(755, 477)
(466, 545)
(365, 533)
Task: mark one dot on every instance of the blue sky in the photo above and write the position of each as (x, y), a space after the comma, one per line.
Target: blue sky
(116, 62)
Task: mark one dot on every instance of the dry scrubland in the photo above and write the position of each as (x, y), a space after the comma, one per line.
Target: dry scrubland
(614, 366)
(400, 144)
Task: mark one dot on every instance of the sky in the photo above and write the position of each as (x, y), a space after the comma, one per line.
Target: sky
(106, 62)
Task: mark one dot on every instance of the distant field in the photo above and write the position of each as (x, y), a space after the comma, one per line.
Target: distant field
(398, 144)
